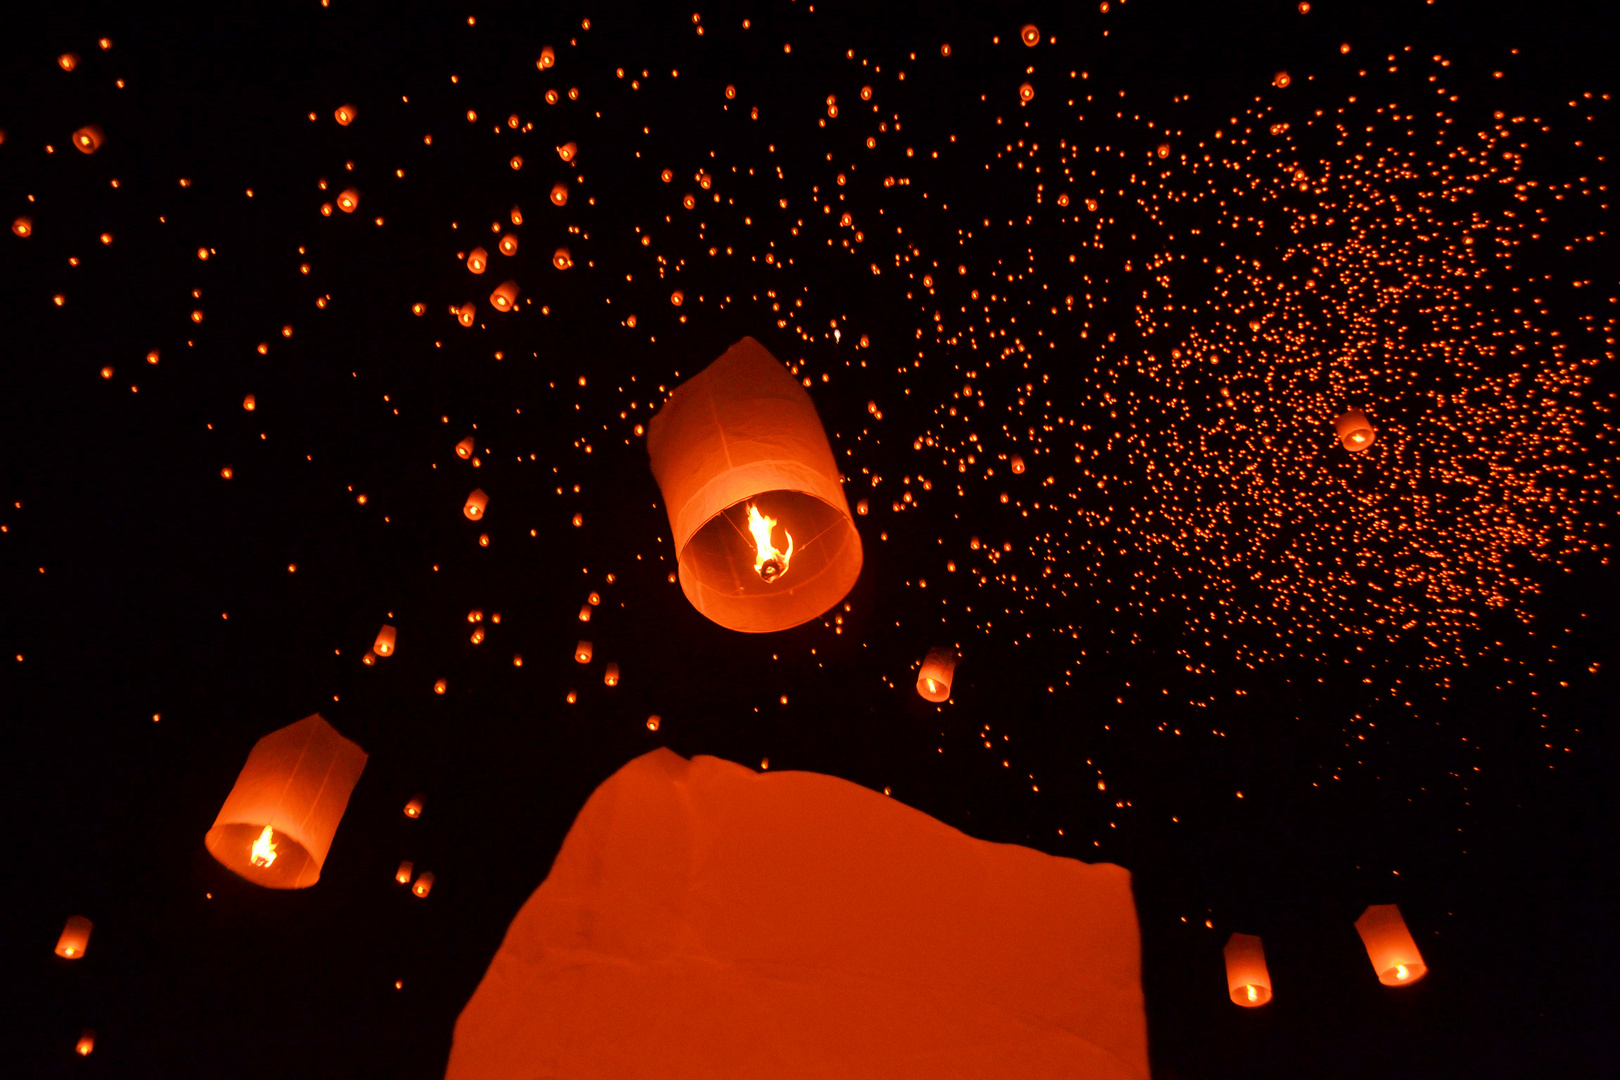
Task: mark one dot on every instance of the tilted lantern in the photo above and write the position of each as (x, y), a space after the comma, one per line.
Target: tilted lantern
(476, 502)
(403, 874)
(345, 114)
(424, 884)
(413, 809)
(1390, 947)
(504, 298)
(278, 821)
(582, 652)
(1355, 431)
(764, 539)
(1247, 979)
(75, 938)
(384, 645)
(934, 677)
(88, 139)
(477, 260)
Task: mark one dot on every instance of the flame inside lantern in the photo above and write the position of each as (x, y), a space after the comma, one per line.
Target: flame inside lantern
(264, 852)
(769, 562)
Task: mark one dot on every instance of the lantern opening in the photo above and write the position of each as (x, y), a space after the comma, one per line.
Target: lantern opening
(770, 563)
(264, 849)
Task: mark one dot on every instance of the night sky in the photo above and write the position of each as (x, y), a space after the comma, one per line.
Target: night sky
(1153, 254)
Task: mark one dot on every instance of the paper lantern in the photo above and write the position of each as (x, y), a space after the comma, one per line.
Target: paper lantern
(403, 874)
(567, 151)
(278, 821)
(547, 58)
(1031, 35)
(75, 937)
(88, 139)
(763, 534)
(413, 809)
(23, 225)
(584, 613)
(582, 652)
(561, 259)
(1355, 431)
(705, 920)
(504, 298)
(348, 200)
(345, 114)
(1017, 464)
(466, 313)
(68, 61)
(1390, 947)
(610, 676)
(508, 244)
(476, 502)
(465, 448)
(477, 260)
(86, 1043)
(1026, 93)
(934, 677)
(384, 645)
(250, 403)
(1247, 979)
(424, 884)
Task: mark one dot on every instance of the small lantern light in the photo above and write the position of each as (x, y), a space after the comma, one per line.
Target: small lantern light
(934, 677)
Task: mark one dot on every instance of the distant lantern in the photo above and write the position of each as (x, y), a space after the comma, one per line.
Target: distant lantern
(413, 808)
(384, 645)
(1030, 34)
(439, 686)
(1355, 431)
(1247, 979)
(476, 502)
(1164, 150)
(68, 61)
(345, 114)
(424, 884)
(86, 1043)
(584, 613)
(1026, 93)
(508, 244)
(464, 448)
(582, 652)
(861, 507)
(403, 874)
(610, 676)
(677, 298)
(547, 58)
(75, 937)
(348, 200)
(1390, 947)
(477, 260)
(764, 539)
(278, 821)
(1017, 464)
(1280, 80)
(505, 296)
(250, 403)
(567, 151)
(23, 226)
(561, 259)
(934, 677)
(517, 161)
(559, 194)
(88, 139)
(466, 313)
(517, 215)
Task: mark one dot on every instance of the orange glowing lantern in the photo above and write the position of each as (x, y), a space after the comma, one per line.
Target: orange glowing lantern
(1355, 431)
(403, 874)
(86, 1043)
(1030, 35)
(559, 194)
(547, 58)
(345, 114)
(464, 448)
(934, 677)
(508, 244)
(610, 677)
(1247, 979)
(1281, 80)
(413, 808)
(68, 61)
(1017, 464)
(88, 139)
(561, 259)
(278, 821)
(348, 200)
(424, 884)
(861, 507)
(75, 937)
(582, 652)
(742, 459)
(250, 403)
(23, 226)
(584, 613)
(504, 298)
(476, 502)
(384, 645)
(1026, 93)
(567, 151)
(477, 260)
(1390, 947)
(466, 313)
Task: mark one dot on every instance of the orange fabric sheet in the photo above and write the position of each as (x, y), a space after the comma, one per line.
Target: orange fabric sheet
(704, 920)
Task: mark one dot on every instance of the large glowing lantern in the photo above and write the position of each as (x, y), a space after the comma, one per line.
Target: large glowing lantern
(475, 504)
(934, 677)
(384, 645)
(504, 298)
(764, 539)
(278, 821)
(75, 937)
(706, 920)
(1354, 430)
(1390, 947)
(1247, 979)
(88, 139)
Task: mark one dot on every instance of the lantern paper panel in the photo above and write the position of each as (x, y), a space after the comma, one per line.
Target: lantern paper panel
(1247, 979)
(1390, 947)
(705, 920)
(934, 677)
(764, 538)
(296, 784)
(75, 937)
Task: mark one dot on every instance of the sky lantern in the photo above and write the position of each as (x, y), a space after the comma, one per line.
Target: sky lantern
(1017, 464)
(278, 821)
(86, 1043)
(1030, 34)
(1355, 431)
(508, 244)
(88, 139)
(465, 448)
(413, 808)
(403, 874)
(424, 884)
(384, 645)
(348, 200)
(610, 676)
(504, 298)
(567, 151)
(1026, 93)
(584, 613)
(582, 652)
(68, 61)
(477, 260)
(75, 937)
(345, 115)
(466, 313)
(23, 225)
(934, 676)
(764, 539)
(559, 194)
(475, 504)
(1390, 947)
(1247, 979)
(561, 259)
(547, 58)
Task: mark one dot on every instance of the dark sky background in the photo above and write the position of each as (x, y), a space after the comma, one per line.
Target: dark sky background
(152, 628)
